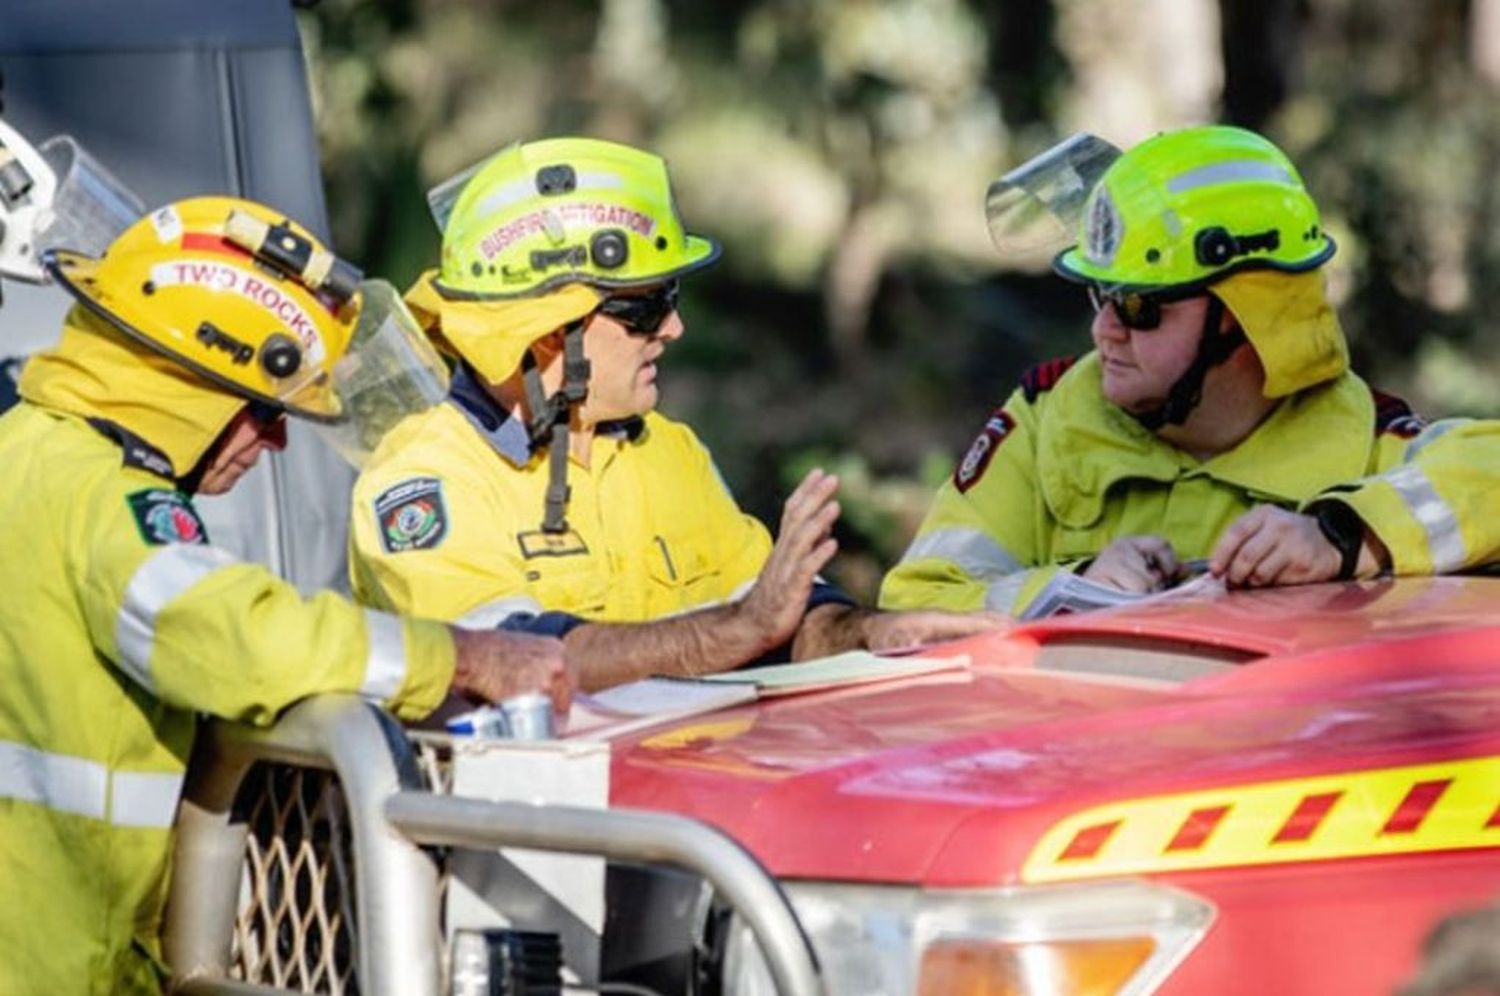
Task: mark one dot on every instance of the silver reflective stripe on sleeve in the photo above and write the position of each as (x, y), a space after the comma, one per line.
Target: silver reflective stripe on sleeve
(973, 551)
(1430, 435)
(1001, 596)
(1230, 172)
(82, 787)
(144, 798)
(734, 596)
(385, 666)
(492, 614)
(67, 784)
(1445, 543)
(161, 578)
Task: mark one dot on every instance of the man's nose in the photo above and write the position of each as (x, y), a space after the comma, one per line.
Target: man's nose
(1107, 325)
(671, 328)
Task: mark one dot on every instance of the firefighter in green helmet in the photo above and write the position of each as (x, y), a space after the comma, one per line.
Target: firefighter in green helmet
(548, 495)
(1216, 419)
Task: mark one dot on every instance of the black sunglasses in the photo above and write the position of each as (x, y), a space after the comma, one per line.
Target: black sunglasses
(643, 314)
(1138, 311)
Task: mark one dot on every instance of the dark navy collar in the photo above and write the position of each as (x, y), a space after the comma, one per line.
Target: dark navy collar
(503, 431)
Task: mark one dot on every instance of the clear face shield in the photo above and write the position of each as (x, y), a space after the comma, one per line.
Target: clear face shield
(442, 197)
(1036, 210)
(56, 196)
(390, 372)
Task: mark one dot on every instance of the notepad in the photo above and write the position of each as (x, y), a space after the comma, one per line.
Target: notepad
(653, 701)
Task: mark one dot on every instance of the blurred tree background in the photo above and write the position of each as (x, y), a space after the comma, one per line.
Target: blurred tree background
(840, 149)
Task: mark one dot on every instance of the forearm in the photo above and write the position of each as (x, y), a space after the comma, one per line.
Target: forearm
(703, 642)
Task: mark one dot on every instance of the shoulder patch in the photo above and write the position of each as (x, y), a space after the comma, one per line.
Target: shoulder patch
(411, 515)
(977, 458)
(1044, 376)
(1394, 416)
(165, 516)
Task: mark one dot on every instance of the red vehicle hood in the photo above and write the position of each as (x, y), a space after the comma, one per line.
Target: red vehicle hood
(955, 777)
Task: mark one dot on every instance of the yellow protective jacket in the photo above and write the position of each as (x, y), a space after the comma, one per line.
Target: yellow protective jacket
(1058, 472)
(446, 523)
(120, 625)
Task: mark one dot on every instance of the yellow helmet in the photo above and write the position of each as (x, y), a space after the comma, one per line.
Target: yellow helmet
(560, 211)
(1187, 208)
(232, 290)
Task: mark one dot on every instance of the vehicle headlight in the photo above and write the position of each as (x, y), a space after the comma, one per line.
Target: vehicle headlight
(1120, 937)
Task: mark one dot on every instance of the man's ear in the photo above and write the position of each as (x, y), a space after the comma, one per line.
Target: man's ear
(548, 346)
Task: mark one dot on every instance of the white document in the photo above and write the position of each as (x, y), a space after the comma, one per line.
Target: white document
(1068, 592)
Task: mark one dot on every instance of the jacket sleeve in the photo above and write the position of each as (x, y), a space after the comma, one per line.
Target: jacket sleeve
(201, 630)
(1434, 499)
(978, 546)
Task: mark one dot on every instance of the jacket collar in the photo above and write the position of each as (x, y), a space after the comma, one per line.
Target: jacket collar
(504, 432)
(1311, 441)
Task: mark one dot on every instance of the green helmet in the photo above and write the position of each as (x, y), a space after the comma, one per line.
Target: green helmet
(1188, 208)
(561, 211)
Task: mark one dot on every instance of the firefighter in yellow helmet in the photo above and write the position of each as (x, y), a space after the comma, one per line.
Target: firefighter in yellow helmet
(199, 328)
(1216, 420)
(548, 495)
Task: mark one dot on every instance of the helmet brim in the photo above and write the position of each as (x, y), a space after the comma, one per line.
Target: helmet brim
(77, 274)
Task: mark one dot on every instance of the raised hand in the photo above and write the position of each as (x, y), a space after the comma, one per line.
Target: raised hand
(804, 545)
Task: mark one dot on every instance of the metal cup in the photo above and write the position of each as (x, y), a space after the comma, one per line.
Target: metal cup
(528, 717)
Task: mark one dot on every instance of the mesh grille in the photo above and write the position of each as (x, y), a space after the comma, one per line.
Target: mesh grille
(296, 925)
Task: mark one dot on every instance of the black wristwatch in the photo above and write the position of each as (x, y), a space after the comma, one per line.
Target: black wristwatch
(1344, 529)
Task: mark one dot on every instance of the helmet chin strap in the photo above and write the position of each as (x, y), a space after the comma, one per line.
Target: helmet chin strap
(549, 420)
(1183, 396)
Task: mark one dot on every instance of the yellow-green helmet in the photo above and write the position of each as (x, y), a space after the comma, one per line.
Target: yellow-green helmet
(566, 210)
(1190, 207)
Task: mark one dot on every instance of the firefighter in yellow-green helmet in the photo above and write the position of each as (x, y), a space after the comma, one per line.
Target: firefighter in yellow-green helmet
(1215, 425)
(549, 495)
(200, 327)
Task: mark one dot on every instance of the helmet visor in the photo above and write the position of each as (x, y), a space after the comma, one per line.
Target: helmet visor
(1036, 210)
(441, 198)
(390, 371)
(91, 207)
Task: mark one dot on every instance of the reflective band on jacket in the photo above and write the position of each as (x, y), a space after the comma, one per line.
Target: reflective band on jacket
(1444, 541)
(1430, 435)
(87, 788)
(385, 666)
(1230, 172)
(1001, 596)
(492, 614)
(974, 552)
(160, 579)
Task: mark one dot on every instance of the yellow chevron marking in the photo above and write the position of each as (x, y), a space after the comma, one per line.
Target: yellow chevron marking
(1466, 815)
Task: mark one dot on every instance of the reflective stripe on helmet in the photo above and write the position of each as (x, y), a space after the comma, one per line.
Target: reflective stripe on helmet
(160, 579)
(385, 664)
(1236, 171)
(1445, 542)
(87, 788)
(971, 550)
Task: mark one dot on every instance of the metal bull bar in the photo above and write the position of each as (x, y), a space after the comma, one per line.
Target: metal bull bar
(399, 949)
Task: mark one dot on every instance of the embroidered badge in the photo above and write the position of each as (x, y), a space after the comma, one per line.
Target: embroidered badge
(971, 468)
(539, 544)
(411, 515)
(165, 517)
(1104, 229)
